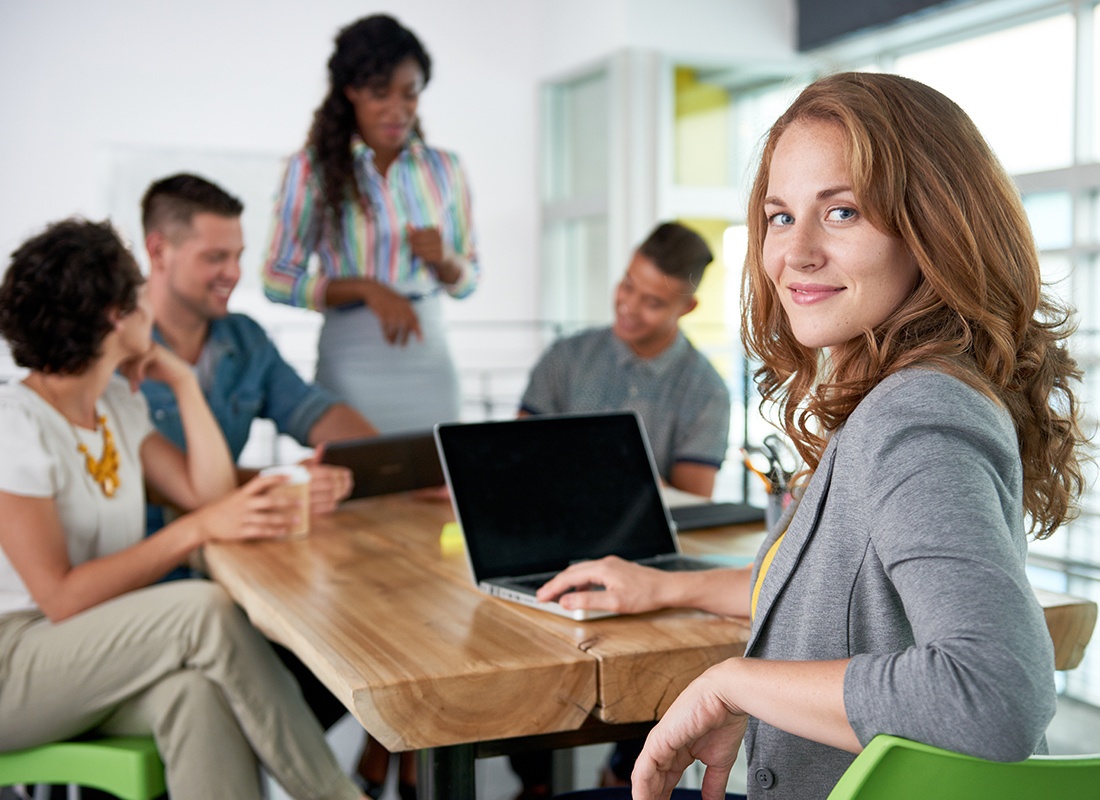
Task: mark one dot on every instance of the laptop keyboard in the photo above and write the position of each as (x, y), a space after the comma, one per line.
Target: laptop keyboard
(667, 563)
(531, 582)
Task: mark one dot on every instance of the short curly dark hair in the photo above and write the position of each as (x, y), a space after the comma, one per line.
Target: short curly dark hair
(59, 290)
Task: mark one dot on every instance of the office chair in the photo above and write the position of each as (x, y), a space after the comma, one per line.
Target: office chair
(896, 768)
(128, 767)
(623, 793)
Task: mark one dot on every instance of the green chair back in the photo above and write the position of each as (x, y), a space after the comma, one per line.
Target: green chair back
(891, 768)
(127, 767)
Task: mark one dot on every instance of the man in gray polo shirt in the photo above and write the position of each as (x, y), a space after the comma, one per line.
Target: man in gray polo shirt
(644, 363)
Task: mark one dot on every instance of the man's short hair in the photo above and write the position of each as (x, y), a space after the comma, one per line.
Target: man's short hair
(678, 252)
(175, 200)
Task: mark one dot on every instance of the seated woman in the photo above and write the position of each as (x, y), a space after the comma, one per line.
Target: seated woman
(893, 296)
(86, 642)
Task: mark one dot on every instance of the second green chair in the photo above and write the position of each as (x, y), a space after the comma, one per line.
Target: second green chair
(891, 768)
(128, 767)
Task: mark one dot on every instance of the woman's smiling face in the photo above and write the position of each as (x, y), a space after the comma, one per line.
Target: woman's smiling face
(836, 274)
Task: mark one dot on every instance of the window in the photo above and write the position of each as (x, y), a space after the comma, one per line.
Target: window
(1040, 115)
(576, 181)
(988, 78)
(1031, 82)
(577, 167)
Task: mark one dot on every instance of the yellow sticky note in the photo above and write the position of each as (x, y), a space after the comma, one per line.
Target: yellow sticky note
(450, 539)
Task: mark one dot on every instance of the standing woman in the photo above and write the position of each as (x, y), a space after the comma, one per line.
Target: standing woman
(87, 642)
(389, 219)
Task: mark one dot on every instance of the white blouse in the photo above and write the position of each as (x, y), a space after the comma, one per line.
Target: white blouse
(40, 458)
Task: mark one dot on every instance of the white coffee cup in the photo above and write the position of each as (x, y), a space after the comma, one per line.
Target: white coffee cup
(297, 488)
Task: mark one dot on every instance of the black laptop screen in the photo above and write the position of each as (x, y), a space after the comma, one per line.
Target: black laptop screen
(535, 494)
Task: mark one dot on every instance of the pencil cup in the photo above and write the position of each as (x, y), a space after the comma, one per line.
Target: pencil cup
(297, 488)
(774, 510)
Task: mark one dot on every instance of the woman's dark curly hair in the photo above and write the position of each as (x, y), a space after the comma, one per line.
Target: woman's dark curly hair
(367, 51)
(58, 293)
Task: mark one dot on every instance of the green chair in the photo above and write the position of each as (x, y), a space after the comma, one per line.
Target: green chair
(127, 767)
(891, 768)
(623, 793)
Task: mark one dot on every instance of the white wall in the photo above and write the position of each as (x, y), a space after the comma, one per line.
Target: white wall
(83, 85)
(573, 32)
(98, 98)
(81, 82)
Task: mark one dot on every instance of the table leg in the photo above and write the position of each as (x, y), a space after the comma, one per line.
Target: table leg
(562, 771)
(445, 773)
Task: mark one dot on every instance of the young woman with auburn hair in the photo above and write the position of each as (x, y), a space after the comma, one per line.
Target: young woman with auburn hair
(893, 295)
(978, 313)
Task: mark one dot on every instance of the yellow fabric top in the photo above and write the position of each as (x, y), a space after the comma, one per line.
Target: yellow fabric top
(764, 565)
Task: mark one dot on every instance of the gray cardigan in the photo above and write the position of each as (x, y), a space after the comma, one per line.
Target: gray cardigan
(906, 555)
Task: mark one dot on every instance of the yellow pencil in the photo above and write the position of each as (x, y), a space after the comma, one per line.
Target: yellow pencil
(755, 471)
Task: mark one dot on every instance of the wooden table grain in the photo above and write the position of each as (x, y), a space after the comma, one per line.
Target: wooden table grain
(369, 604)
(389, 620)
(387, 616)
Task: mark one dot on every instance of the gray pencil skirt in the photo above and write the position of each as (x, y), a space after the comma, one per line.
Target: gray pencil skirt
(397, 388)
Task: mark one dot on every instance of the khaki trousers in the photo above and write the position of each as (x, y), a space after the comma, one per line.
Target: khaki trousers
(181, 662)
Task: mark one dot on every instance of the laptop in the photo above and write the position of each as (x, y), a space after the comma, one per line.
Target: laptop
(387, 464)
(536, 494)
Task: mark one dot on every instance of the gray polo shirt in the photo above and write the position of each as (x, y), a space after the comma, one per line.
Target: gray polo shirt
(683, 402)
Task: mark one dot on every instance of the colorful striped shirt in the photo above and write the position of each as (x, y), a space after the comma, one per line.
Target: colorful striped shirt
(425, 188)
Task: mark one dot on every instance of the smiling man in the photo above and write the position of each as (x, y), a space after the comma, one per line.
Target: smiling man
(194, 240)
(644, 363)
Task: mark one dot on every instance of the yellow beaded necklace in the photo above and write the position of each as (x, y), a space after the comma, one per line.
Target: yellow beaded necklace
(105, 470)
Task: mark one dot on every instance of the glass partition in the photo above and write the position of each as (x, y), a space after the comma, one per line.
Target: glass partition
(1016, 84)
(577, 127)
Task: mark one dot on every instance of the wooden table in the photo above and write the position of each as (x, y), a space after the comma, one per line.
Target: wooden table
(393, 625)
(390, 621)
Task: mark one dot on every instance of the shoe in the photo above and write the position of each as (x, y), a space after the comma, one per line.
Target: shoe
(609, 779)
(370, 788)
(538, 791)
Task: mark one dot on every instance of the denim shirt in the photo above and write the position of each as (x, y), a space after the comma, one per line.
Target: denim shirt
(247, 379)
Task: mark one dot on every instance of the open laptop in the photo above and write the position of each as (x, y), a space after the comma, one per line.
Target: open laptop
(536, 494)
(397, 462)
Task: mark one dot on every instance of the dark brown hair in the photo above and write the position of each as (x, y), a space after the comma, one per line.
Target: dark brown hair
(367, 52)
(59, 290)
(677, 251)
(174, 201)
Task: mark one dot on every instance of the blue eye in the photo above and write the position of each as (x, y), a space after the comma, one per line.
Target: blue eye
(782, 218)
(842, 214)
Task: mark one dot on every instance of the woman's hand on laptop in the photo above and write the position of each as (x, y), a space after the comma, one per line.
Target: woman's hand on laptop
(610, 584)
